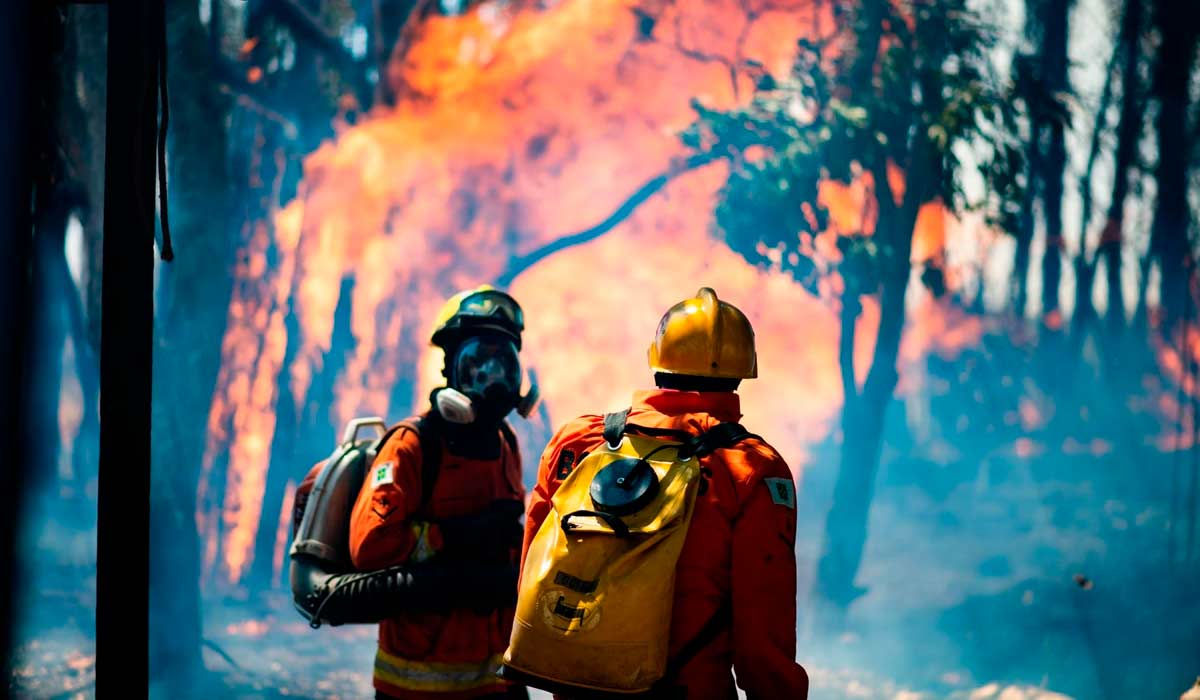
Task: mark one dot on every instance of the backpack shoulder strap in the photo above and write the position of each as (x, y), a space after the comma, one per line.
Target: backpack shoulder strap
(509, 436)
(375, 447)
(431, 454)
(717, 437)
(614, 426)
(721, 435)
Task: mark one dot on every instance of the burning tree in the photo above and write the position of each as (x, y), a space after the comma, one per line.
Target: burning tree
(907, 114)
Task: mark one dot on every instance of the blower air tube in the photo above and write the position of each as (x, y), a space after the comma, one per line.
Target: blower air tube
(436, 585)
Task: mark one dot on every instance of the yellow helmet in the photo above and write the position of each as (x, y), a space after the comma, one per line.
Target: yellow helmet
(478, 309)
(704, 337)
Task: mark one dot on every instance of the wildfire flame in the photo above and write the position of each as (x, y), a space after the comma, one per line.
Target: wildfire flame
(516, 125)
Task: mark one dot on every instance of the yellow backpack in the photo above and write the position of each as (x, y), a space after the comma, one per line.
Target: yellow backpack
(597, 587)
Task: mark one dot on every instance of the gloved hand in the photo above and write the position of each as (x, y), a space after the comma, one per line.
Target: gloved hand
(490, 534)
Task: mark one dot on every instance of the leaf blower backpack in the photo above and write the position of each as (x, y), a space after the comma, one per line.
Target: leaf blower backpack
(325, 587)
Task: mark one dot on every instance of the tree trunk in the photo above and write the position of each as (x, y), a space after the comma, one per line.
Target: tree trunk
(862, 437)
(1054, 63)
(863, 415)
(193, 298)
(1169, 233)
(1084, 316)
(1020, 275)
(1129, 130)
(1084, 319)
(846, 524)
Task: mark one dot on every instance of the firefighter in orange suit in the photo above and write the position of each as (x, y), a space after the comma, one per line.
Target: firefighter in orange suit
(740, 548)
(468, 511)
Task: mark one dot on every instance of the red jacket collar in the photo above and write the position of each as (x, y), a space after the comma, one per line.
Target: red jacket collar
(722, 405)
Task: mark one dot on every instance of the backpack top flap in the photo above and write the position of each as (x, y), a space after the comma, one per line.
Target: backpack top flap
(672, 475)
(621, 488)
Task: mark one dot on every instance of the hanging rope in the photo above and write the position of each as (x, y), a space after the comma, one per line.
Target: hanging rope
(167, 252)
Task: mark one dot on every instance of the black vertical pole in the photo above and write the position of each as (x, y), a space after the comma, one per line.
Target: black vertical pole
(127, 317)
(16, 238)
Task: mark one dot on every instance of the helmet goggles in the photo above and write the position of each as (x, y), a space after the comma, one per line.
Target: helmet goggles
(480, 310)
(491, 304)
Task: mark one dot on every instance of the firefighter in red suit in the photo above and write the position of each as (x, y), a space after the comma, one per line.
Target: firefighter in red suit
(740, 547)
(439, 549)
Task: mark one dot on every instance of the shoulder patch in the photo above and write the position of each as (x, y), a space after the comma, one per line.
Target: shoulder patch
(783, 492)
(383, 474)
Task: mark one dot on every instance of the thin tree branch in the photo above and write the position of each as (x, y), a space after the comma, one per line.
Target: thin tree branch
(1098, 130)
(1085, 269)
(520, 263)
(216, 648)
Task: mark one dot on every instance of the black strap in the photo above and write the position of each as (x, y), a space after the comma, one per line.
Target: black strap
(618, 526)
(431, 454)
(717, 437)
(509, 436)
(614, 426)
(666, 433)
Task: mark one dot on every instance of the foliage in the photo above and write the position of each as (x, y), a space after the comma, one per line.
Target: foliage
(912, 90)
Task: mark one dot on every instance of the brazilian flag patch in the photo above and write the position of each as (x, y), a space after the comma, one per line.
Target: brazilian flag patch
(383, 474)
(783, 492)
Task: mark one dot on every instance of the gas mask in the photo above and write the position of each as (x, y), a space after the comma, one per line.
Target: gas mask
(484, 383)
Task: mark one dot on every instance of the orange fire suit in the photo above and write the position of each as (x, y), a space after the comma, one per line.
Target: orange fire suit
(431, 655)
(740, 547)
